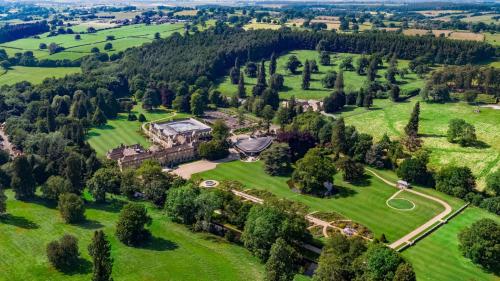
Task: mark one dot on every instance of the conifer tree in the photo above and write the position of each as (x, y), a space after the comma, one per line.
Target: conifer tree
(338, 136)
(241, 86)
(22, 181)
(412, 142)
(261, 78)
(3, 202)
(272, 64)
(306, 76)
(100, 251)
(368, 101)
(51, 121)
(99, 118)
(339, 82)
(360, 98)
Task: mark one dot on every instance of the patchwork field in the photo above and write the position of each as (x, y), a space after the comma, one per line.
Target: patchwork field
(437, 257)
(34, 75)
(261, 25)
(390, 118)
(125, 37)
(293, 82)
(174, 253)
(364, 204)
(121, 131)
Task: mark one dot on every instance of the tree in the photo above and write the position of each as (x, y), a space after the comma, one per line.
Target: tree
(493, 182)
(362, 65)
(213, 150)
(461, 132)
(3, 202)
(157, 36)
(411, 130)
(339, 83)
(251, 69)
(78, 37)
(241, 87)
(71, 208)
(268, 115)
(104, 180)
(380, 262)
(272, 64)
(42, 46)
(277, 159)
(313, 171)
(99, 119)
(480, 241)
(22, 180)
(197, 104)
(404, 273)
(324, 58)
(261, 75)
(130, 226)
(141, 118)
(63, 254)
(150, 99)
(306, 76)
(282, 263)
(394, 93)
(456, 181)
(346, 64)
(276, 82)
(100, 251)
(313, 66)
(108, 46)
(292, 64)
(352, 171)
(328, 81)
(338, 142)
(55, 186)
(390, 75)
(94, 50)
(180, 202)
(414, 169)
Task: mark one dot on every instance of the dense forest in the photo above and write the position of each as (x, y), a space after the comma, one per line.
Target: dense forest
(211, 53)
(17, 31)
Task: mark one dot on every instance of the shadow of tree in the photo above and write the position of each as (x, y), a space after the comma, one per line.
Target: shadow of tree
(155, 243)
(343, 192)
(18, 221)
(363, 181)
(83, 266)
(113, 205)
(90, 224)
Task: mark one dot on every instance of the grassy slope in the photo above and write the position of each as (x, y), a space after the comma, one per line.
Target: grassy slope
(121, 131)
(390, 118)
(437, 257)
(126, 36)
(352, 80)
(34, 75)
(175, 253)
(365, 204)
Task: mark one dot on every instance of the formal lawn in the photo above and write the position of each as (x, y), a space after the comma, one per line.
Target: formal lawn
(125, 37)
(121, 131)
(388, 117)
(34, 75)
(437, 256)
(364, 204)
(174, 253)
(293, 82)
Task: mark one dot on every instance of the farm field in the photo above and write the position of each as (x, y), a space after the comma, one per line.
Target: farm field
(34, 75)
(487, 19)
(125, 37)
(437, 256)
(293, 82)
(363, 204)
(174, 253)
(121, 131)
(493, 39)
(390, 118)
(261, 25)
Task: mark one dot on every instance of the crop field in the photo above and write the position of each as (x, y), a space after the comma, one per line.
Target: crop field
(466, 36)
(261, 25)
(292, 85)
(388, 117)
(174, 252)
(487, 19)
(125, 37)
(437, 256)
(121, 131)
(34, 75)
(364, 204)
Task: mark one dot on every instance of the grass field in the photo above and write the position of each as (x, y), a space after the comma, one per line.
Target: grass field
(364, 204)
(34, 75)
(493, 39)
(121, 131)
(352, 80)
(390, 118)
(437, 256)
(125, 37)
(174, 253)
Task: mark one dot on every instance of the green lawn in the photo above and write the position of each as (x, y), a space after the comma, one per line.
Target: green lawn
(175, 253)
(352, 80)
(34, 75)
(437, 257)
(121, 131)
(364, 204)
(388, 117)
(125, 37)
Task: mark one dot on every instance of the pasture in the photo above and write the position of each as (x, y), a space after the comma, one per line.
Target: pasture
(437, 256)
(34, 75)
(125, 37)
(365, 204)
(173, 253)
(121, 131)
(388, 117)
(292, 85)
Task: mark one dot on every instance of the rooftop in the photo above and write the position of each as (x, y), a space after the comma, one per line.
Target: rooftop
(181, 126)
(253, 145)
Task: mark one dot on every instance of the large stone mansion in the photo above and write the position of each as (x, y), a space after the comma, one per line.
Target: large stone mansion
(174, 142)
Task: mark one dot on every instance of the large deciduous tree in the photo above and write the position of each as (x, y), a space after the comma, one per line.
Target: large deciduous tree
(282, 263)
(313, 171)
(22, 180)
(480, 241)
(131, 222)
(277, 159)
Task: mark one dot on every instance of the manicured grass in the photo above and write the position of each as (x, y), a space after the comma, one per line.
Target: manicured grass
(174, 253)
(34, 75)
(437, 256)
(121, 131)
(125, 37)
(400, 203)
(364, 204)
(293, 82)
(388, 117)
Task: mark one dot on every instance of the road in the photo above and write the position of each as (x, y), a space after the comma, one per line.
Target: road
(438, 218)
